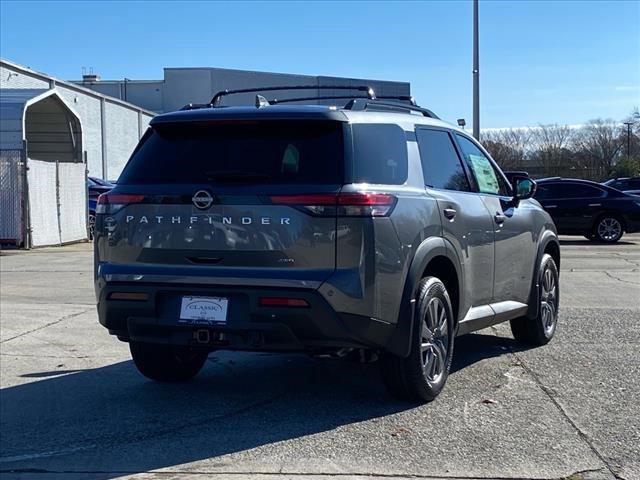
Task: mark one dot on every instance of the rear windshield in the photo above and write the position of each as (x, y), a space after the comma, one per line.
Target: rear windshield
(240, 152)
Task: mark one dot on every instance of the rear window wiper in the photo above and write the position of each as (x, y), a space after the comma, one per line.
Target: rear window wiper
(231, 176)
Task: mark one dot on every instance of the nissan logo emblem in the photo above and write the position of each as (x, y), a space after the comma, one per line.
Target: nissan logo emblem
(202, 199)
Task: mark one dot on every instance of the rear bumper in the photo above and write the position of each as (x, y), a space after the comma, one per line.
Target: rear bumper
(249, 326)
(632, 223)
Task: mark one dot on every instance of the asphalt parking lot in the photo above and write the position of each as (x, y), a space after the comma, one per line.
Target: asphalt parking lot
(74, 406)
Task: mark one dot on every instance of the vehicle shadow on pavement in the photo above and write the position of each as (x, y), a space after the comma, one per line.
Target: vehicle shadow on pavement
(110, 421)
(586, 242)
(475, 347)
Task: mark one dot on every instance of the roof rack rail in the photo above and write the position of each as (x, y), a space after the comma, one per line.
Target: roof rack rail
(277, 101)
(195, 106)
(215, 101)
(405, 98)
(359, 105)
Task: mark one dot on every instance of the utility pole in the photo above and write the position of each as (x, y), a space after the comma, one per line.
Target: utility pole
(476, 75)
(629, 124)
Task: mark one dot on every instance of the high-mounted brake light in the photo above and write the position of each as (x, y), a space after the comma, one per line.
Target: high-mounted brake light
(110, 202)
(346, 204)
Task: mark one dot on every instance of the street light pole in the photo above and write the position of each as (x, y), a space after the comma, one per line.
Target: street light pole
(476, 75)
(628, 124)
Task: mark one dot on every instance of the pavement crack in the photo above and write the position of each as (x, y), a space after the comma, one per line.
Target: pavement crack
(66, 317)
(610, 275)
(550, 394)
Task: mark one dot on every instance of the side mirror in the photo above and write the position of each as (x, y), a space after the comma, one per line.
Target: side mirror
(523, 187)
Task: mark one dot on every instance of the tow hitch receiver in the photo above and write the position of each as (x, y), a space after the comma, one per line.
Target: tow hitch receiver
(205, 336)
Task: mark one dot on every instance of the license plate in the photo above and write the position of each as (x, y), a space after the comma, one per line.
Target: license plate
(204, 310)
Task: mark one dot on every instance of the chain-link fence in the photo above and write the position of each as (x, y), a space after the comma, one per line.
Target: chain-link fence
(11, 196)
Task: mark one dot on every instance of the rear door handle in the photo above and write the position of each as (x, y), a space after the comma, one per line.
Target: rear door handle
(449, 213)
(595, 204)
(550, 206)
(499, 218)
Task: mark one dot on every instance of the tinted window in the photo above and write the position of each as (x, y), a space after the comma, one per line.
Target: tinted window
(568, 190)
(380, 154)
(440, 163)
(486, 175)
(269, 152)
(581, 191)
(634, 184)
(619, 184)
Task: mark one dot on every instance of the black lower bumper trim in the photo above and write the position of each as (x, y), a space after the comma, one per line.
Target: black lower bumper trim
(249, 325)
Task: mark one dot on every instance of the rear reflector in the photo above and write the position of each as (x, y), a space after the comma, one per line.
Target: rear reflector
(358, 204)
(137, 297)
(283, 302)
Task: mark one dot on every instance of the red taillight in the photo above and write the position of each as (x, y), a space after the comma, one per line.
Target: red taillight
(109, 202)
(349, 204)
(283, 302)
(119, 198)
(313, 199)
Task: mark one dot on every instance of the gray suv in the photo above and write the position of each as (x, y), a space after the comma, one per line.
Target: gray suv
(372, 226)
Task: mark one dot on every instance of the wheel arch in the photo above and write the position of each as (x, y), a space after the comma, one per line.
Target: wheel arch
(431, 258)
(550, 244)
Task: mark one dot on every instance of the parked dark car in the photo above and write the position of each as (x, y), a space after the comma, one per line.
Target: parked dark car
(95, 188)
(581, 207)
(627, 184)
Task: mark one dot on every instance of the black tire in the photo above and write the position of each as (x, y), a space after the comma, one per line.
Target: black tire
(540, 330)
(165, 363)
(422, 375)
(608, 228)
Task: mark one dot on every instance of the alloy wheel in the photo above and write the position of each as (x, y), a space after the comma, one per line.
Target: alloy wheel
(549, 301)
(609, 229)
(434, 341)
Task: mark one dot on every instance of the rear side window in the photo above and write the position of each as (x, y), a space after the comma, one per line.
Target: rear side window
(380, 154)
(241, 152)
(568, 190)
(575, 190)
(440, 162)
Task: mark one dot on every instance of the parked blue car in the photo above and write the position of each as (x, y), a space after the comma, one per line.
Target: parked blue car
(95, 188)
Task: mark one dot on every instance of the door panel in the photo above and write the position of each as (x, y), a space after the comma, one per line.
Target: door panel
(468, 229)
(465, 221)
(515, 248)
(514, 251)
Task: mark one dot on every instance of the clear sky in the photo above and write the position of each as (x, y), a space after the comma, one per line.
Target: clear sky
(541, 62)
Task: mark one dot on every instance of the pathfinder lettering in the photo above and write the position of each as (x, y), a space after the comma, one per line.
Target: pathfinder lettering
(211, 220)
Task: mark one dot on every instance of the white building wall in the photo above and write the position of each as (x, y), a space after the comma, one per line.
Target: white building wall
(144, 123)
(121, 124)
(10, 78)
(88, 109)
